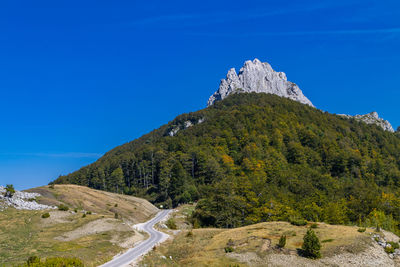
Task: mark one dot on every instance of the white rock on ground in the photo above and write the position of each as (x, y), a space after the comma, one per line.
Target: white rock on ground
(258, 77)
(21, 201)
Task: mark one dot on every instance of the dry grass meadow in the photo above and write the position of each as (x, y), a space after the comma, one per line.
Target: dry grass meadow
(252, 245)
(94, 237)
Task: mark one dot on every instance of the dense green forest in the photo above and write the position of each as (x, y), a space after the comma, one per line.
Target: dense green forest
(259, 157)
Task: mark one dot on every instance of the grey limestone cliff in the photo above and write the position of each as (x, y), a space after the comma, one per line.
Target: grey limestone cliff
(258, 77)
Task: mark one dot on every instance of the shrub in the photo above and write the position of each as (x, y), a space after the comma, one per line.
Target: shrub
(314, 226)
(45, 215)
(311, 246)
(394, 245)
(75, 210)
(171, 224)
(53, 262)
(88, 212)
(189, 234)
(116, 215)
(10, 191)
(389, 249)
(51, 186)
(116, 205)
(327, 240)
(298, 222)
(63, 207)
(361, 230)
(228, 249)
(282, 241)
(84, 215)
(59, 261)
(33, 259)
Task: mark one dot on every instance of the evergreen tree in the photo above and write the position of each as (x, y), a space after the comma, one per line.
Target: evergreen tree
(311, 245)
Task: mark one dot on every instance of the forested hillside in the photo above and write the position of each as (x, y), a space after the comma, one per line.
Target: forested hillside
(259, 157)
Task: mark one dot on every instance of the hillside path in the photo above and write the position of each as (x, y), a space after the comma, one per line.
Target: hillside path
(144, 246)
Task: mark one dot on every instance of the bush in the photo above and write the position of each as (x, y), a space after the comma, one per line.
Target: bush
(51, 186)
(394, 245)
(327, 240)
(361, 230)
(63, 207)
(33, 259)
(389, 250)
(228, 249)
(45, 215)
(84, 215)
(88, 212)
(282, 241)
(116, 205)
(311, 246)
(116, 215)
(10, 191)
(189, 234)
(298, 222)
(171, 224)
(75, 210)
(314, 226)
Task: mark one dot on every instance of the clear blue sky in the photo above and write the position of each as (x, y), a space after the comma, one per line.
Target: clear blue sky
(78, 78)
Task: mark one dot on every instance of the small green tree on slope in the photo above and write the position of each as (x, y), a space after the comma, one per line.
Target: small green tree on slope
(10, 191)
(311, 246)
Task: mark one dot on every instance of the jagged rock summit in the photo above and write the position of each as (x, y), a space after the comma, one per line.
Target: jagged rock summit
(258, 77)
(373, 118)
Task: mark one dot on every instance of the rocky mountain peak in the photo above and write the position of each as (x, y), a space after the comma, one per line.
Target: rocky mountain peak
(259, 77)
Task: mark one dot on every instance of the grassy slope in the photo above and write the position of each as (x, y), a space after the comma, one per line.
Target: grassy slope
(25, 233)
(132, 208)
(206, 246)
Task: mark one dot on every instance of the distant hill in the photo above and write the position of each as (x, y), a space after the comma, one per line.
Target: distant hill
(259, 157)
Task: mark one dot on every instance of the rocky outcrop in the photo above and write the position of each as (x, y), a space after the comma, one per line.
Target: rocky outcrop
(258, 77)
(372, 118)
(21, 201)
(182, 126)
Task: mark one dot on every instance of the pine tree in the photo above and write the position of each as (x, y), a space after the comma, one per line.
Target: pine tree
(311, 246)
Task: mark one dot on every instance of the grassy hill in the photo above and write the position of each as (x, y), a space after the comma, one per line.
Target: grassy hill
(134, 209)
(89, 230)
(256, 245)
(256, 157)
